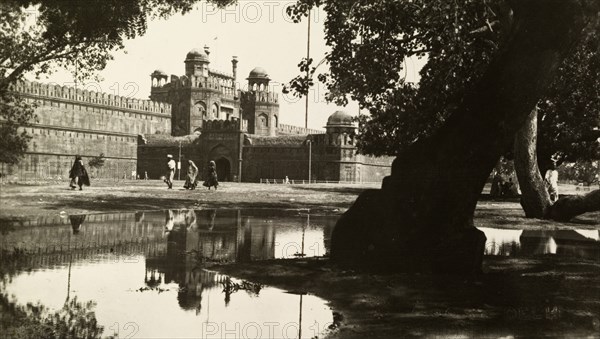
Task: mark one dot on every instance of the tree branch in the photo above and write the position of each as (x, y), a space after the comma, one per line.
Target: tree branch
(487, 28)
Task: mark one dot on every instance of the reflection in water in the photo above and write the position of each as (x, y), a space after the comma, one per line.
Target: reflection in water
(146, 271)
(76, 221)
(574, 243)
(219, 236)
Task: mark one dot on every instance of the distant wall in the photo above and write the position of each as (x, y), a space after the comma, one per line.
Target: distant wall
(153, 159)
(328, 163)
(277, 162)
(289, 129)
(82, 122)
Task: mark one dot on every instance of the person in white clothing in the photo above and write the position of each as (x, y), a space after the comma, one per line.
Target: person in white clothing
(551, 179)
(170, 171)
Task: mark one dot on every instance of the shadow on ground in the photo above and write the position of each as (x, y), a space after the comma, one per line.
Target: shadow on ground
(355, 191)
(536, 297)
(110, 203)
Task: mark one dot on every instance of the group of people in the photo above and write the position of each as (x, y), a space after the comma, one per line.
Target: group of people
(502, 188)
(191, 180)
(79, 177)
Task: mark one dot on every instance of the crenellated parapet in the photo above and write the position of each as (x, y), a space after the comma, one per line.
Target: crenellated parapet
(86, 95)
(220, 74)
(224, 125)
(224, 85)
(289, 129)
(260, 97)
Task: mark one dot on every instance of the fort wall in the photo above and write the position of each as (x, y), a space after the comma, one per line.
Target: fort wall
(328, 163)
(79, 121)
(289, 129)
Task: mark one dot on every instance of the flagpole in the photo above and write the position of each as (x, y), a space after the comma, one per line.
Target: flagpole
(307, 71)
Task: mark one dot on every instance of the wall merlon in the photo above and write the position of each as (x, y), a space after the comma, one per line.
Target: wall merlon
(224, 125)
(85, 96)
(289, 129)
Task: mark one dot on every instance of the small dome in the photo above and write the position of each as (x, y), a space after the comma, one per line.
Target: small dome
(258, 72)
(339, 118)
(196, 55)
(159, 72)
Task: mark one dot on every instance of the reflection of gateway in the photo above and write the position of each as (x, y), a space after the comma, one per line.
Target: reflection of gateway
(561, 242)
(205, 235)
(194, 237)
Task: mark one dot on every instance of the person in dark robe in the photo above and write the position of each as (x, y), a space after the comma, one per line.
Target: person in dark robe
(78, 174)
(192, 176)
(76, 221)
(507, 188)
(211, 179)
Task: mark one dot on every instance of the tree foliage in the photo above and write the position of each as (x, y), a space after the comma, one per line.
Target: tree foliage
(569, 114)
(98, 161)
(371, 41)
(74, 320)
(40, 35)
(585, 172)
(36, 35)
(14, 113)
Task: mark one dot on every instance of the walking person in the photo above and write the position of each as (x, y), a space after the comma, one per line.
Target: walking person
(170, 171)
(211, 179)
(192, 176)
(78, 174)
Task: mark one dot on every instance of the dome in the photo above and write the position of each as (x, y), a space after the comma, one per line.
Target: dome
(196, 55)
(159, 72)
(258, 72)
(340, 118)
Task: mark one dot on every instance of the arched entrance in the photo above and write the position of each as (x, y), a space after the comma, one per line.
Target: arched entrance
(223, 169)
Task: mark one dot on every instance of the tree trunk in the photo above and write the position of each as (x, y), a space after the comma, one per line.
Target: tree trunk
(422, 218)
(568, 207)
(534, 195)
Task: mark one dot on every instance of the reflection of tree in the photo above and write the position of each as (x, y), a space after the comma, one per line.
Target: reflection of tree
(560, 242)
(230, 287)
(74, 320)
(11, 260)
(6, 227)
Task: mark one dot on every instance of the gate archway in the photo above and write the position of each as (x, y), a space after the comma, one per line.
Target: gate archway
(223, 169)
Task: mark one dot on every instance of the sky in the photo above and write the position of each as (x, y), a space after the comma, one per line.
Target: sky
(259, 33)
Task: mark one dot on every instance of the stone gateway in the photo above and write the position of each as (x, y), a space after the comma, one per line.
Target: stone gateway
(203, 116)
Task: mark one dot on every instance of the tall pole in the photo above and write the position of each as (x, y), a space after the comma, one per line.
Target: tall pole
(307, 72)
(300, 319)
(309, 159)
(241, 147)
(69, 275)
(179, 163)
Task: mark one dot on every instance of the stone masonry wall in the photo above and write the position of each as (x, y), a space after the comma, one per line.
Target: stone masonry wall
(80, 122)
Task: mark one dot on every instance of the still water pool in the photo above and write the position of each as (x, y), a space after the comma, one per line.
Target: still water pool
(146, 271)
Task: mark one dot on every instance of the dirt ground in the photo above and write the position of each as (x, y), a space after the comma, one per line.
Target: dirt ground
(544, 296)
(21, 201)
